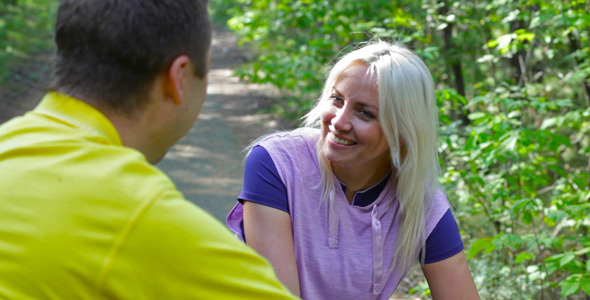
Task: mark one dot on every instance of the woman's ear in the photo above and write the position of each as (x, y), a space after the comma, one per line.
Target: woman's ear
(176, 72)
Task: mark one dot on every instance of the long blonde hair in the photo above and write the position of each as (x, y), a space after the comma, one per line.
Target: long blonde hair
(408, 115)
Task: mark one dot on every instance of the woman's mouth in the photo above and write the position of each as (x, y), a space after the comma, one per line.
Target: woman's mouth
(340, 140)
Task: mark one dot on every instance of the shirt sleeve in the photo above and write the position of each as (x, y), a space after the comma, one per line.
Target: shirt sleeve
(175, 250)
(262, 182)
(444, 241)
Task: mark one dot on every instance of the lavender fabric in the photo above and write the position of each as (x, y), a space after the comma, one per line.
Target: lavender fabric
(343, 252)
(263, 185)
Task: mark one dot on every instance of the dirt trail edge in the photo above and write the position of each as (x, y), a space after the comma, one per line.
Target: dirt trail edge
(207, 164)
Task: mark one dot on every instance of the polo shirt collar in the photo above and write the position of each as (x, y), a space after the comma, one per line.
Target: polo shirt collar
(78, 114)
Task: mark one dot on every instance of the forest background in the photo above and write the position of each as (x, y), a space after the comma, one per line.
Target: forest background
(513, 88)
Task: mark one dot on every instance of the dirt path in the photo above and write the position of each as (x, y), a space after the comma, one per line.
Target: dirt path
(206, 164)
(25, 86)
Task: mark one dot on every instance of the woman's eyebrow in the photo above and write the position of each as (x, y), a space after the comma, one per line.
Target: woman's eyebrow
(361, 103)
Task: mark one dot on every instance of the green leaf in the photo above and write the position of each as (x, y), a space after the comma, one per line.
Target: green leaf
(558, 169)
(526, 36)
(569, 286)
(504, 42)
(551, 266)
(582, 251)
(527, 218)
(523, 256)
(520, 204)
(510, 143)
(498, 242)
(560, 139)
(585, 284)
(567, 257)
(476, 115)
(512, 240)
(581, 183)
(550, 222)
(563, 103)
(478, 246)
(549, 122)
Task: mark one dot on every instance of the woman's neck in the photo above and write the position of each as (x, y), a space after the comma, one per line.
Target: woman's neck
(359, 180)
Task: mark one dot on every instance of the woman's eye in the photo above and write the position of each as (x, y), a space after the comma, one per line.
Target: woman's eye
(366, 114)
(337, 100)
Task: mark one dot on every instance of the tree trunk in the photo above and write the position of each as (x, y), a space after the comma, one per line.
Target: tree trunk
(454, 63)
(517, 60)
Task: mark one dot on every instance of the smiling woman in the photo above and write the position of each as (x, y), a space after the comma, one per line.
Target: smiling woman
(354, 142)
(352, 198)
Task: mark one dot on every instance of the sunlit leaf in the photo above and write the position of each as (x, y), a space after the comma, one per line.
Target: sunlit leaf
(479, 246)
(567, 257)
(523, 256)
(569, 286)
(585, 284)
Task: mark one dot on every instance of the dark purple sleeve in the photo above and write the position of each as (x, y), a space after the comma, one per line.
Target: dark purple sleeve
(262, 183)
(444, 241)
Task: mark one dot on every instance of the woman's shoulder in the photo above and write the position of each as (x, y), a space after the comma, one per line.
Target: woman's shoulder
(439, 203)
(436, 209)
(440, 198)
(299, 137)
(294, 149)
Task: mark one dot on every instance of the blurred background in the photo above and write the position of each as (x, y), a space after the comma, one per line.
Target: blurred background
(513, 88)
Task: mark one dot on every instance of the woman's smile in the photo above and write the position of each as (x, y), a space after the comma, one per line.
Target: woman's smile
(350, 125)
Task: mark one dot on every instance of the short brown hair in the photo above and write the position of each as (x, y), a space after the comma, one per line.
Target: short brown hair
(112, 50)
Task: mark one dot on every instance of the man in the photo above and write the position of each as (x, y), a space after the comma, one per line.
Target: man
(84, 213)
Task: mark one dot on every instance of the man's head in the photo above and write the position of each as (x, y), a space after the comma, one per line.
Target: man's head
(109, 52)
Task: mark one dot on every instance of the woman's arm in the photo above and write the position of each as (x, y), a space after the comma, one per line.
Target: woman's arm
(268, 231)
(450, 279)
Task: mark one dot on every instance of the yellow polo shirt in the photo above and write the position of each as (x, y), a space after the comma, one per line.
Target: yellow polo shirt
(83, 217)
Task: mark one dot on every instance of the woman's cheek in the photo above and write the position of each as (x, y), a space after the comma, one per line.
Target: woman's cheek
(328, 114)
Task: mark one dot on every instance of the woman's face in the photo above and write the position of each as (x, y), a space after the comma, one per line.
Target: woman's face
(350, 127)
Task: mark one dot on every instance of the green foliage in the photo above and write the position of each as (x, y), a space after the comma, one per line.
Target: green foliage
(25, 27)
(296, 40)
(514, 95)
(520, 165)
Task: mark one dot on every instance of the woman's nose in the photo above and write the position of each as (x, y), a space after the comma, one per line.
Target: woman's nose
(341, 120)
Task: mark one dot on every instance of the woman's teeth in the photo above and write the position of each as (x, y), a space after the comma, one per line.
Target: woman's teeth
(342, 141)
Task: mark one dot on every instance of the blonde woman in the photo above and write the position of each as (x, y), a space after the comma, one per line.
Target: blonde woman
(345, 205)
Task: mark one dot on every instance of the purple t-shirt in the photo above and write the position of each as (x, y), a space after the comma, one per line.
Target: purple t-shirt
(334, 241)
(261, 175)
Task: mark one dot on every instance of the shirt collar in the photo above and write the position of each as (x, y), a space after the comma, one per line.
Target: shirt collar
(366, 197)
(78, 114)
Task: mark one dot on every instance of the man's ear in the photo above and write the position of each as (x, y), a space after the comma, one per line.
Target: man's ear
(176, 72)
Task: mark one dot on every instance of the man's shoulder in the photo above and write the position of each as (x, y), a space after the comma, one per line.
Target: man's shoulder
(88, 164)
(126, 171)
